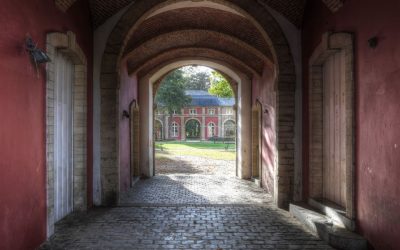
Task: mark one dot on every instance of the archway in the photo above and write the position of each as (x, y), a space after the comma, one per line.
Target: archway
(229, 129)
(269, 56)
(192, 129)
(148, 85)
(158, 130)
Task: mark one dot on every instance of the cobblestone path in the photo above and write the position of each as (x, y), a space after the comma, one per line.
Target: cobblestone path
(186, 211)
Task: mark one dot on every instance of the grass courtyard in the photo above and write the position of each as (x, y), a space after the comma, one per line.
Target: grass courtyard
(216, 151)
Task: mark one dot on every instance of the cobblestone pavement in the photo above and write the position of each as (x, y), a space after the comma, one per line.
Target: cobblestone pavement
(183, 227)
(194, 189)
(186, 211)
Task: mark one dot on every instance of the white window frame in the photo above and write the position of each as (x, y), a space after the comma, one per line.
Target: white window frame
(211, 111)
(175, 129)
(192, 112)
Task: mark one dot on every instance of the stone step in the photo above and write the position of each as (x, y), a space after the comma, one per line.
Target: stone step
(334, 212)
(323, 227)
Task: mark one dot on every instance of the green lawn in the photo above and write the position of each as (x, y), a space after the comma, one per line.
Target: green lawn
(206, 149)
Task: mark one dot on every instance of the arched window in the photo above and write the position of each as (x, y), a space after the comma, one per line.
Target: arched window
(229, 129)
(175, 128)
(211, 129)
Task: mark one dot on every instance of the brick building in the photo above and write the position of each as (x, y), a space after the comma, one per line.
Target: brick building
(205, 118)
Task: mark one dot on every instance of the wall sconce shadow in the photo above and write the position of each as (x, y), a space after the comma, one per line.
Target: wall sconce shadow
(37, 55)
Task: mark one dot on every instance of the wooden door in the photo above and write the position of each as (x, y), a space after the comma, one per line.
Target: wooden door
(334, 130)
(256, 150)
(63, 129)
(134, 136)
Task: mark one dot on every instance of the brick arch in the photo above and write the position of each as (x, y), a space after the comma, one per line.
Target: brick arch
(285, 85)
(194, 53)
(197, 38)
(206, 19)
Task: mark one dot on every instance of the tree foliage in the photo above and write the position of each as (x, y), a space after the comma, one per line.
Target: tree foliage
(220, 86)
(196, 79)
(171, 93)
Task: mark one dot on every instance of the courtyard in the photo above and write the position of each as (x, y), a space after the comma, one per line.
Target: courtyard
(194, 202)
(195, 157)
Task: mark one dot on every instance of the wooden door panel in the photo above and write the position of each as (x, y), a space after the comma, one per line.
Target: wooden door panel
(334, 155)
(63, 133)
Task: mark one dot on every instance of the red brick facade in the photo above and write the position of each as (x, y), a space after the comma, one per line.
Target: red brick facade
(209, 118)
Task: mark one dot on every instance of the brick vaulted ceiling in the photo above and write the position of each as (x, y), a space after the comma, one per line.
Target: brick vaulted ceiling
(291, 9)
(212, 30)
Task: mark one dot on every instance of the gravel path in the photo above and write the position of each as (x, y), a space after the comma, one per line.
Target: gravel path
(182, 164)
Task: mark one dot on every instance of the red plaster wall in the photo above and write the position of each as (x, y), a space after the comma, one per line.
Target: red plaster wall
(377, 75)
(22, 109)
(127, 92)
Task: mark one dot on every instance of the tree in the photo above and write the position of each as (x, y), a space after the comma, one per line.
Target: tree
(220, 86)
(171, 93)
(196, 79)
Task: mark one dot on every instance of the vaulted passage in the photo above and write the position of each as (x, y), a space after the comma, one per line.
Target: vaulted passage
(252, 54)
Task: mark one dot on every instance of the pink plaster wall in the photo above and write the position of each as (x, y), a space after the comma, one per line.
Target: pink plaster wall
(23, 108)
(377, 78)
(263, 92)
(127, 92)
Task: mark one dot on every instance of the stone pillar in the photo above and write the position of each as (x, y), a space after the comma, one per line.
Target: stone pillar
(146, 125)
(183, 128)
(203, 125)
(244, 129)
(220, 132)
(166, 127)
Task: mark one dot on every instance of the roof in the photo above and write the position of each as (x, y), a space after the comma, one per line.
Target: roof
(204, 99)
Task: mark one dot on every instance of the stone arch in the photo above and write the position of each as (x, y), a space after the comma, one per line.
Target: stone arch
(284, 85)
(146, 85)
(66, 44)
(190, 119)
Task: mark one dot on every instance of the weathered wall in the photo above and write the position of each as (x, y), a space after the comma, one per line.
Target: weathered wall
(22, 106)
(377, 87)
(263, 92)
(127, 92)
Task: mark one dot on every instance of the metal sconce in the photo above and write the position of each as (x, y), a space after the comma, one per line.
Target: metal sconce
(125, 114)
(37, 55)
(373, 42)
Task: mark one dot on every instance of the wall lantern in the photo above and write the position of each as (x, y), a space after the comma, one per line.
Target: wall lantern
(38, 56)
(125, 114)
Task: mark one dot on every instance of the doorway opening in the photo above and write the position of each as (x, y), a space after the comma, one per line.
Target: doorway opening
(194, 126)
(257, 144)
